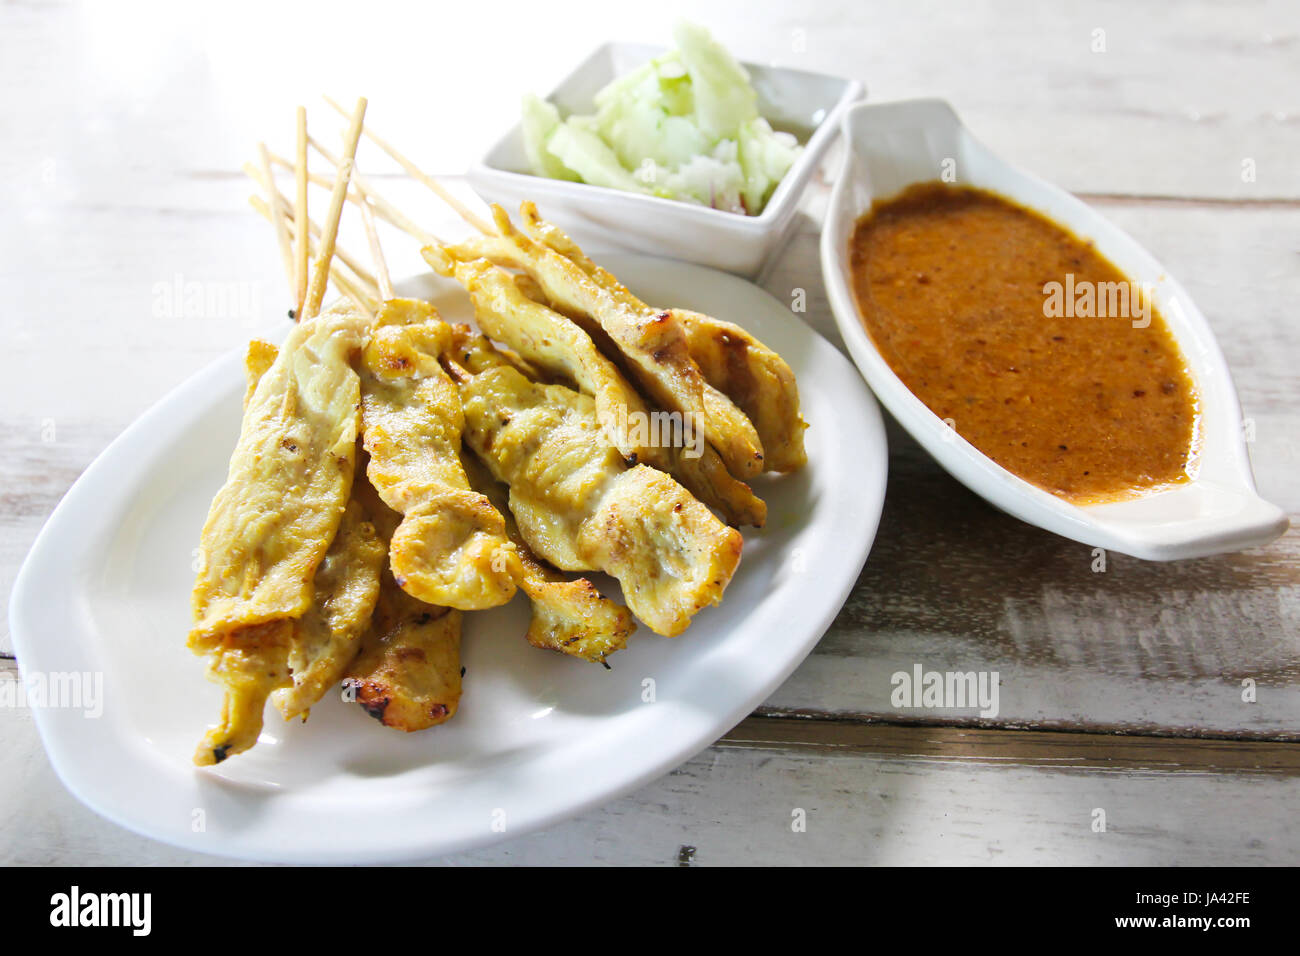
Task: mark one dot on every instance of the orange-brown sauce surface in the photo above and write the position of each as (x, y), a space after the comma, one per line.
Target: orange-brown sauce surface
(952, 283)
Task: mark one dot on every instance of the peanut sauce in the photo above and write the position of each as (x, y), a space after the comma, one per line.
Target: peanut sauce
(1032, 345)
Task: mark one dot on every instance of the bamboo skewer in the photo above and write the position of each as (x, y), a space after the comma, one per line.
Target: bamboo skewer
(315, 179)
(264, 211)
(314, 230)
(358, 297)
(418, 174)
(300, 210)
(366, 198)
(320, 278)
(352, 279)
(383, 208)
(376, 251)
(277, 220)
(351, 285)
(396, 217)
(341, 260)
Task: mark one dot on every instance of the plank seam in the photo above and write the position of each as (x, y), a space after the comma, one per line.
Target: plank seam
(1049, 750)
(1047, 726)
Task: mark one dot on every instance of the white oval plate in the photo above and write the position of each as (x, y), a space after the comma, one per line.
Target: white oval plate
(538, 736)
(889, 146)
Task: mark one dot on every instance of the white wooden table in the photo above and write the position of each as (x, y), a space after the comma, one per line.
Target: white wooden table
(124, 130)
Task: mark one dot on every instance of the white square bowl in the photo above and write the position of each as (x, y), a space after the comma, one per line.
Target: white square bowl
(807, 104)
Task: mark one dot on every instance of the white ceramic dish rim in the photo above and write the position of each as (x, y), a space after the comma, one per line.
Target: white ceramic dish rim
(104, 767)
(779, 206)
(1113, 526)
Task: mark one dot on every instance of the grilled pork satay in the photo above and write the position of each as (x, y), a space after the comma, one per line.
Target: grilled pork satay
(547, 339)
(249, 662)
(753, 376)
(558, 346)
(580, 507)
(407, 674)
(270, 525)
(289, 479)
(706, 477)
(451, 547)
(325, 639)
(571, 617)
(651, 345)
(756, 379)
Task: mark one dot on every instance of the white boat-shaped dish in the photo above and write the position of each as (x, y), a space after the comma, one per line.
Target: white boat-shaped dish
(807, 104)
(538, 737)
(890, 146)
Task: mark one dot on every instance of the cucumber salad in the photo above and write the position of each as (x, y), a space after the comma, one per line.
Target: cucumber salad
(683, 126)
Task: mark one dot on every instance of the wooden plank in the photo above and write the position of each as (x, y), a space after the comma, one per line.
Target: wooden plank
(811, 733)
(881, 795)
(954, 585)
(1117, 753)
